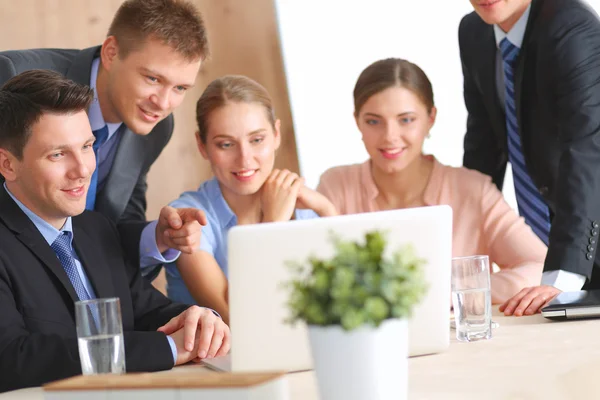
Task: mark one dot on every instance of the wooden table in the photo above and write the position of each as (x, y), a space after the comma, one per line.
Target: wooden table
(527, 358)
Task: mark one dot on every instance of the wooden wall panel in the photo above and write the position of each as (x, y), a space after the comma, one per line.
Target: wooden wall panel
(243, 40)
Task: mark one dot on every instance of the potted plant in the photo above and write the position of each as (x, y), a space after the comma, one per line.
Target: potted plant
(356, 305)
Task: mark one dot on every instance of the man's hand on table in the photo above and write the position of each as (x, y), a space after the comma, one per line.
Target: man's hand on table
(198, 333)
(529, 301)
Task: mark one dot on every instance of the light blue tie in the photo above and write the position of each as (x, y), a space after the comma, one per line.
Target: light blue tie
(532, 206)
(101, 136)
(62, 248)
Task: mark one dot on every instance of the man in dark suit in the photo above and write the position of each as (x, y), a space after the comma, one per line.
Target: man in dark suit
(53, 252)
(532, 90)
(141, 72)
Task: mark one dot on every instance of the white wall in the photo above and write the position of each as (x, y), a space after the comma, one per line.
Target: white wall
(327, 43)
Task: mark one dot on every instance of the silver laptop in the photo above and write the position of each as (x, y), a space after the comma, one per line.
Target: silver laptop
(574, 305)
(261, 341)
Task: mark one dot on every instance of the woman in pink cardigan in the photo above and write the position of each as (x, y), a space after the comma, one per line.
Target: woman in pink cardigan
(394, 111)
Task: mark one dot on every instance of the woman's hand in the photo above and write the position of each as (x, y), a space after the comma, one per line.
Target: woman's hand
(279, 194)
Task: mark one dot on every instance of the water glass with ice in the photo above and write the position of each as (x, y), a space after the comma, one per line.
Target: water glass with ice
(471, 298)
(100, 336)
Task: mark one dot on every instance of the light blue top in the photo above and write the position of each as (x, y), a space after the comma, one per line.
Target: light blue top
(220, 218)
(50, 234)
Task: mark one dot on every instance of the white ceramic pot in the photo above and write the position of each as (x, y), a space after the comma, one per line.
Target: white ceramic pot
(363, 364)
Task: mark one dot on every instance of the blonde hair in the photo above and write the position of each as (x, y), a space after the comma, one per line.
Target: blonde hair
(231, 88)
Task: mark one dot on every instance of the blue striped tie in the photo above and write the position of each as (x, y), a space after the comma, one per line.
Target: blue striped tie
(101, 136)
(532, 206)
(62, 248)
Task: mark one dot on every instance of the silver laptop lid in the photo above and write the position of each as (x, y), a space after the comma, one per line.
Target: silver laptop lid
(579, 304)
(257, 269)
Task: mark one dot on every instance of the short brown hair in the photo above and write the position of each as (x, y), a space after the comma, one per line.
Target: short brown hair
(392, 72)
(27, 96)
(231, 88)
(175, 23)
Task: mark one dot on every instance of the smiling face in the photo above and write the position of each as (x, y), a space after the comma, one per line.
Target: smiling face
(145, 86)
(53, 175)
(504, 13)
(240, 146)
(394, 123)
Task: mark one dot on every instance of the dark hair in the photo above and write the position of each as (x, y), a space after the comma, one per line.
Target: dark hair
(231, 88)
(175, 23)
(27, 96)
(392, 72)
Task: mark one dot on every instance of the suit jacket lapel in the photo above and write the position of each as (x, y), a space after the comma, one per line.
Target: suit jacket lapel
(488, 51)
(28, 234)
(521, 63)
(123, 175)
(90, 255)
(81, 67)
(485, 52)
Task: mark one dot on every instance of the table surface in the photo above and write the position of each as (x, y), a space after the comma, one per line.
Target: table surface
(527, 358)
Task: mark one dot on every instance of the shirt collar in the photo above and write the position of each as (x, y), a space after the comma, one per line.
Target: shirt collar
(94, 112)
(49, 232)
(431, 190)
(226, 216)
(516, 34)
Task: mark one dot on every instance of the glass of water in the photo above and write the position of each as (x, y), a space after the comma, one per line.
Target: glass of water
(100, 336)
(471, 298)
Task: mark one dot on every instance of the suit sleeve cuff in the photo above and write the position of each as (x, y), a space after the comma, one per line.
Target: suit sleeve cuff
(564, 281)
(149, 254)
(173, 349)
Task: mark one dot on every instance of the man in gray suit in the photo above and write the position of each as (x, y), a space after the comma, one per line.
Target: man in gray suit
(151, 56)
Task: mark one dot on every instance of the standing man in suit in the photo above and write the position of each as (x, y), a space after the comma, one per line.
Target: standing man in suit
(532, 91)
(150, 58)
(53, 252)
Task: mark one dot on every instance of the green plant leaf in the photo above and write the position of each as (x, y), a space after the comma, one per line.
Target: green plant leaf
(357, 286)
(377, 309)
(352, 318)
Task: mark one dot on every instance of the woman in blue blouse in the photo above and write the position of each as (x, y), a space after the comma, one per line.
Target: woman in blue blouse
(239, 135)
